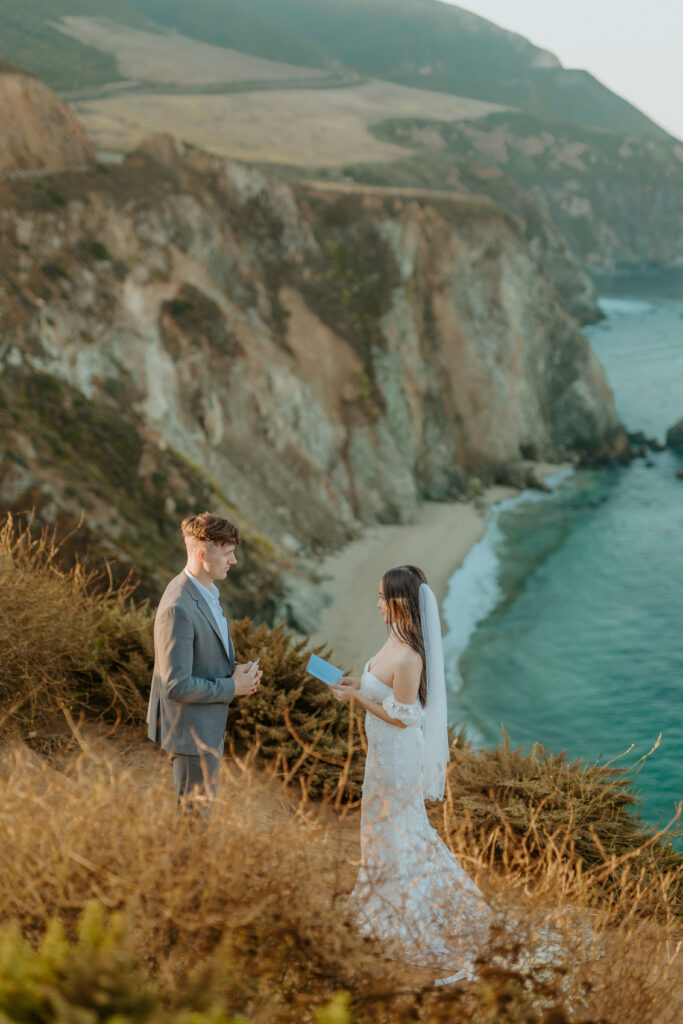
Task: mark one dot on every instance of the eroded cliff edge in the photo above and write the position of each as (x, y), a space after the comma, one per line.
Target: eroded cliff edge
(180, 329)
(37, 131)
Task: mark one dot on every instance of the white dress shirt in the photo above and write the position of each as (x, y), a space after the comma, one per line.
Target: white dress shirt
(213, 599)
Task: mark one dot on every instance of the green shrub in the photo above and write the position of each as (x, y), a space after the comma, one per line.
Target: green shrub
(88, 981)
(293, 718)
(55, 272)
(94, 979)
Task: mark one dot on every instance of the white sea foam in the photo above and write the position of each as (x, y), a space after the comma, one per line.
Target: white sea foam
(624, 307)
(474, 589)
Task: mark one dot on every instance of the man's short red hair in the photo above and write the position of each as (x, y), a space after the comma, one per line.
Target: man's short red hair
(212, 528)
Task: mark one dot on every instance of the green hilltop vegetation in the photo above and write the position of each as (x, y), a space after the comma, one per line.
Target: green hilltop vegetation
(420, 43)
(239, 25)
(7, 68)
(29, 37)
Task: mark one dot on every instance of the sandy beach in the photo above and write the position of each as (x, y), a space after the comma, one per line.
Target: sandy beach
(437, 542)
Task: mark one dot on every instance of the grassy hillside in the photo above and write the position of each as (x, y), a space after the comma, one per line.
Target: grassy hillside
(115, 908)
(422, 43)
(239, 25)
(535, 149)
(28, 37)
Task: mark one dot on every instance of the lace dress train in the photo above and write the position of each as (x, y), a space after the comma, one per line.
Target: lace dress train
(411, 891)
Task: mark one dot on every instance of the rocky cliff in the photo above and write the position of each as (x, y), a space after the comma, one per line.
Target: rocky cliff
(38, 133)
(180, 331)
(617, 199)
(545, 240)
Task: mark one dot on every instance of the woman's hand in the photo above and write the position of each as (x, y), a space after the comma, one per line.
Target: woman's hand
(344, 689)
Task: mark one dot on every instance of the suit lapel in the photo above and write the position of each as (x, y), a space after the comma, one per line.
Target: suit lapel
(204, 608)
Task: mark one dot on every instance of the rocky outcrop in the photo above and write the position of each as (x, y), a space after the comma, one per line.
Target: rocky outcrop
(546, 243)
(181, 330)
(37, 131)
(674, 435)
(615, 198)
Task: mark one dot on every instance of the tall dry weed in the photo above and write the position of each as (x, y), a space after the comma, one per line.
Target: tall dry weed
(569, 826)
(246, 911)
(68, 636)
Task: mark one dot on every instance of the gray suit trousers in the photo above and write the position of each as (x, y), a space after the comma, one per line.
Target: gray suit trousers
(196, 778)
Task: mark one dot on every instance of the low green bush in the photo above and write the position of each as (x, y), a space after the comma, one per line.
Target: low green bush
(293, 718)
(94, 978)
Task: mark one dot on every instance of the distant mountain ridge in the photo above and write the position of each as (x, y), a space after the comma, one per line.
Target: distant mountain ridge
(421, 43)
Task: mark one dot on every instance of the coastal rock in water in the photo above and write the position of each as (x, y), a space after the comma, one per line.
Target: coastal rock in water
(674, 435)
(183, 331)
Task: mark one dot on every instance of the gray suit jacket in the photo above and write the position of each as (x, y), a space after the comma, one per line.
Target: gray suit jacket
(192, 683)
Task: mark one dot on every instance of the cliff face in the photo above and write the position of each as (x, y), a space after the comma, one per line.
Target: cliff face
(545, 241)
(38, 133)
(616, 199)
(181, 331)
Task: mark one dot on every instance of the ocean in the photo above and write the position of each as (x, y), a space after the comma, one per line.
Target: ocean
(565, 622)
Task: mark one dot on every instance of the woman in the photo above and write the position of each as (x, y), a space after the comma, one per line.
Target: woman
(410, 889)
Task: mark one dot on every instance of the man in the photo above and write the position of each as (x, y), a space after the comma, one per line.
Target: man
(195, 675)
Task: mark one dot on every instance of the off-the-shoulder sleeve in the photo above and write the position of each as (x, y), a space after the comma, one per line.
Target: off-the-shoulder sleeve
(409, 714)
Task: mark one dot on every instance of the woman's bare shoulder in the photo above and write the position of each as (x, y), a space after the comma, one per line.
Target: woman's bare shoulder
(405, 657)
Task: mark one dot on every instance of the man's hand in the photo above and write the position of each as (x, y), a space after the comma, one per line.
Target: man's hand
(247, 678)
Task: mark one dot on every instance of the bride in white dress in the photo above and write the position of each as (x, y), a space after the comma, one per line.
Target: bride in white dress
(410, 891)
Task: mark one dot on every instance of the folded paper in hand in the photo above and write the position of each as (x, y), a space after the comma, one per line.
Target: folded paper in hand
(324, 670)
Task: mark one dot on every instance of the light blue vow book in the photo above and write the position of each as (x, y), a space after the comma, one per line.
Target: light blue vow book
(324, 670)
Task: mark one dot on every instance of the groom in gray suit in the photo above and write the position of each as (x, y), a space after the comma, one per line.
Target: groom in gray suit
(195, 675)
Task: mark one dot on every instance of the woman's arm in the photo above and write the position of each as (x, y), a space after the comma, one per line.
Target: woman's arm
(344, 691)
(406, 682)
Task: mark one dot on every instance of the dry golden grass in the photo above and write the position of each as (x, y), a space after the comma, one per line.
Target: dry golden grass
(73, 642)
(571, 829)
(67, 636)
(245, 913)
(324, 127)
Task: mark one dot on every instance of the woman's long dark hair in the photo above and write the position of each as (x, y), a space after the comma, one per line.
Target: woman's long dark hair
(401, 589)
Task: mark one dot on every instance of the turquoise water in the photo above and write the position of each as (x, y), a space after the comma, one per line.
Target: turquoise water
(566, 621)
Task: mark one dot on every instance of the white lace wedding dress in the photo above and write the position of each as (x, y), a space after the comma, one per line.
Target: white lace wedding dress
(410, 891)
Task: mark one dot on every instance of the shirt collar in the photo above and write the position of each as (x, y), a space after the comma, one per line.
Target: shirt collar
(211, 593)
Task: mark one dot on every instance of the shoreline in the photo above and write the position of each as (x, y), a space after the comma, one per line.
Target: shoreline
(438, 541)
